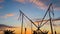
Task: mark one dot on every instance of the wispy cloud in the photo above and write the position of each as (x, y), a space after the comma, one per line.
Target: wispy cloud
(22, 1)
(7, 15)
(56, 20)
(39, 20)
(1, 1)
(42, 4)
(1, 7)
(56, 25)
(57, 8)
(37, 3)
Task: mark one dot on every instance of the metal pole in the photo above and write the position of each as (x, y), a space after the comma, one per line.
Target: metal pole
(45, 14)
(25, 30)
(29, 19)
(22, 25)
(31, 28)
(50, 23)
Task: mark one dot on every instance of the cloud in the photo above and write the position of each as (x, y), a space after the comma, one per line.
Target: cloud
(8, 15)
(44, 22)
(1, 7)
(3, 25)
(41, 4)
(37, 3)
(1, 1)
(39, 20)
(57, 8)
(21, 1)
(56, 25)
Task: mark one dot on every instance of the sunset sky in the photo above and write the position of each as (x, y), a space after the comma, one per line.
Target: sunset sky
(9, 10)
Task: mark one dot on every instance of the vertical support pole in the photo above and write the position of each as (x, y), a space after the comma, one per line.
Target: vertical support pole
(22, 25)
(38, 27)
(38, 24)
(55, 32)
(25, 30)
(31, 28)
(50, 23)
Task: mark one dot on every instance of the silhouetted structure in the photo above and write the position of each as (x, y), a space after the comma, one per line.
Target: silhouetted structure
(38, 31)
(55, 32)
(35, 32)
(25, 30)
(8, 32)
(39, 24)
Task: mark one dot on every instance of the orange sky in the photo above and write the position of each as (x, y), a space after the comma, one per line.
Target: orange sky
(18, 30)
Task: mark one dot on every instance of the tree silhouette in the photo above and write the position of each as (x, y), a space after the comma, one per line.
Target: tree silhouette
(8, 32)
